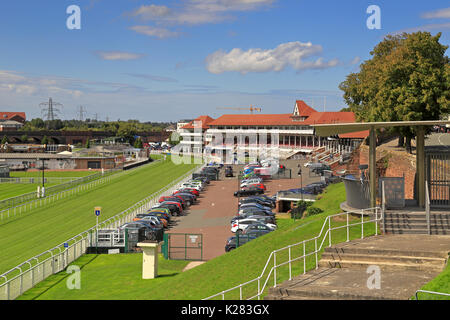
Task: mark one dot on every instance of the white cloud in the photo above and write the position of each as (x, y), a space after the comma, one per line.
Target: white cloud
(195, 12)
(118, 55)
(151, 11)
(161, 33)
(291, 54)
(355, 60)
(440, 14)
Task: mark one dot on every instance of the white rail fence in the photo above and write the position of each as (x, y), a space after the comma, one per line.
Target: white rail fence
(16, 281)
(256, 287)
(35, 203)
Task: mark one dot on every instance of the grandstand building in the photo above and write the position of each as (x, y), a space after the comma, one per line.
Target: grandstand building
(291, 133)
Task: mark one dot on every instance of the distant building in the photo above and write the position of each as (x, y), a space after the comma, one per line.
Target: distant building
(14, 116)
(292, 130)
(10, 125)
(181, 124)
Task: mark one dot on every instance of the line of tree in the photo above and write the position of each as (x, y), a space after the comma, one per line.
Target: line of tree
(407, 79)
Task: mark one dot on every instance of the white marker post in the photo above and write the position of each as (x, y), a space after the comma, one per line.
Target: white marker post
(97, 212)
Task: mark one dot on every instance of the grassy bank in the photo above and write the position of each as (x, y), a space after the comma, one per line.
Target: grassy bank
(101, 280)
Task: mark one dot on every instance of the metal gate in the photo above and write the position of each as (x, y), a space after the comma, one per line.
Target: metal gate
(438, 178)
(183, 246)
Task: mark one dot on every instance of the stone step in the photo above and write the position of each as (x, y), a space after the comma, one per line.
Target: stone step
(332, 293)
(364, 264)
(350, 284)
(417, 231)
(343, 249)
(415, 225)
(440, 262)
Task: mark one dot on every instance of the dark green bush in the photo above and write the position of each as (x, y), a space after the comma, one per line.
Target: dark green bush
(310, 211)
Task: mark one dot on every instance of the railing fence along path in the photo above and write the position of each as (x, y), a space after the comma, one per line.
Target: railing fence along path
(299, 252)
(16, 281)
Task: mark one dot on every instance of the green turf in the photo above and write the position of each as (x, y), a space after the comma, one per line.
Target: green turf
(9, 190)
(99, 270)
(220, 273)
(41, 229)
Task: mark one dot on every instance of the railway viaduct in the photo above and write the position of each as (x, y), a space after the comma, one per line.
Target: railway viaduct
(74, 137)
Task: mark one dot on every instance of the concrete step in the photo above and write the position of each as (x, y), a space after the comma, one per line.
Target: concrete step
(415, 224)
(350, 284)
(391, 266)
(343, 249)
(417, 231)
(440, 262)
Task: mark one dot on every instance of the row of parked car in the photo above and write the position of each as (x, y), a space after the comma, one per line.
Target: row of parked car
(255, 216)
(153, 222)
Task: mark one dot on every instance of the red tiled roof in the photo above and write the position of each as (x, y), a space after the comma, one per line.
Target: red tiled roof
(330, 117)
(355, 135)
(205, 120)
(303, 109)
(10, 115)
(282, 119)
(254, 120)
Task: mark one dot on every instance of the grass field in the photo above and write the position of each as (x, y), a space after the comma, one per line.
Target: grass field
(9, 190)
(223, 272)
(25, 236)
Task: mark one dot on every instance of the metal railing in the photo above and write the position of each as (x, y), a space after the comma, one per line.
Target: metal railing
(26, 275)
(15, 201)
(427, 207)
(431, 292)
(314, 246)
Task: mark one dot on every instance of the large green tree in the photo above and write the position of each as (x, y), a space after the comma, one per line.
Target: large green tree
(407, 79)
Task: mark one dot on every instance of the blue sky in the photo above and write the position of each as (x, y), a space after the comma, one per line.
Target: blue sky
(170, 60)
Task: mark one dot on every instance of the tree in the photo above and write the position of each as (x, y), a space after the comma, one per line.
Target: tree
(24, 138)
(407, 79)
(88, 144)
(44, 140)
(4, 140)
(138, 143)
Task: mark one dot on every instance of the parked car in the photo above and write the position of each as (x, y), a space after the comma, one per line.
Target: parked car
(188, 197)
(254, 205)
(190, 190)
(255, 211)
(173, 199)
(231, 242)
(174, 206)
(149, 232)
(248, 191)
(244, 223)
(260, 201)
(262, 218)
(261, 226)
(256, 232)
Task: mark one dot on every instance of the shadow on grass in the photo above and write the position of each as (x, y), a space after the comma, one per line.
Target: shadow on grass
(55, 279)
